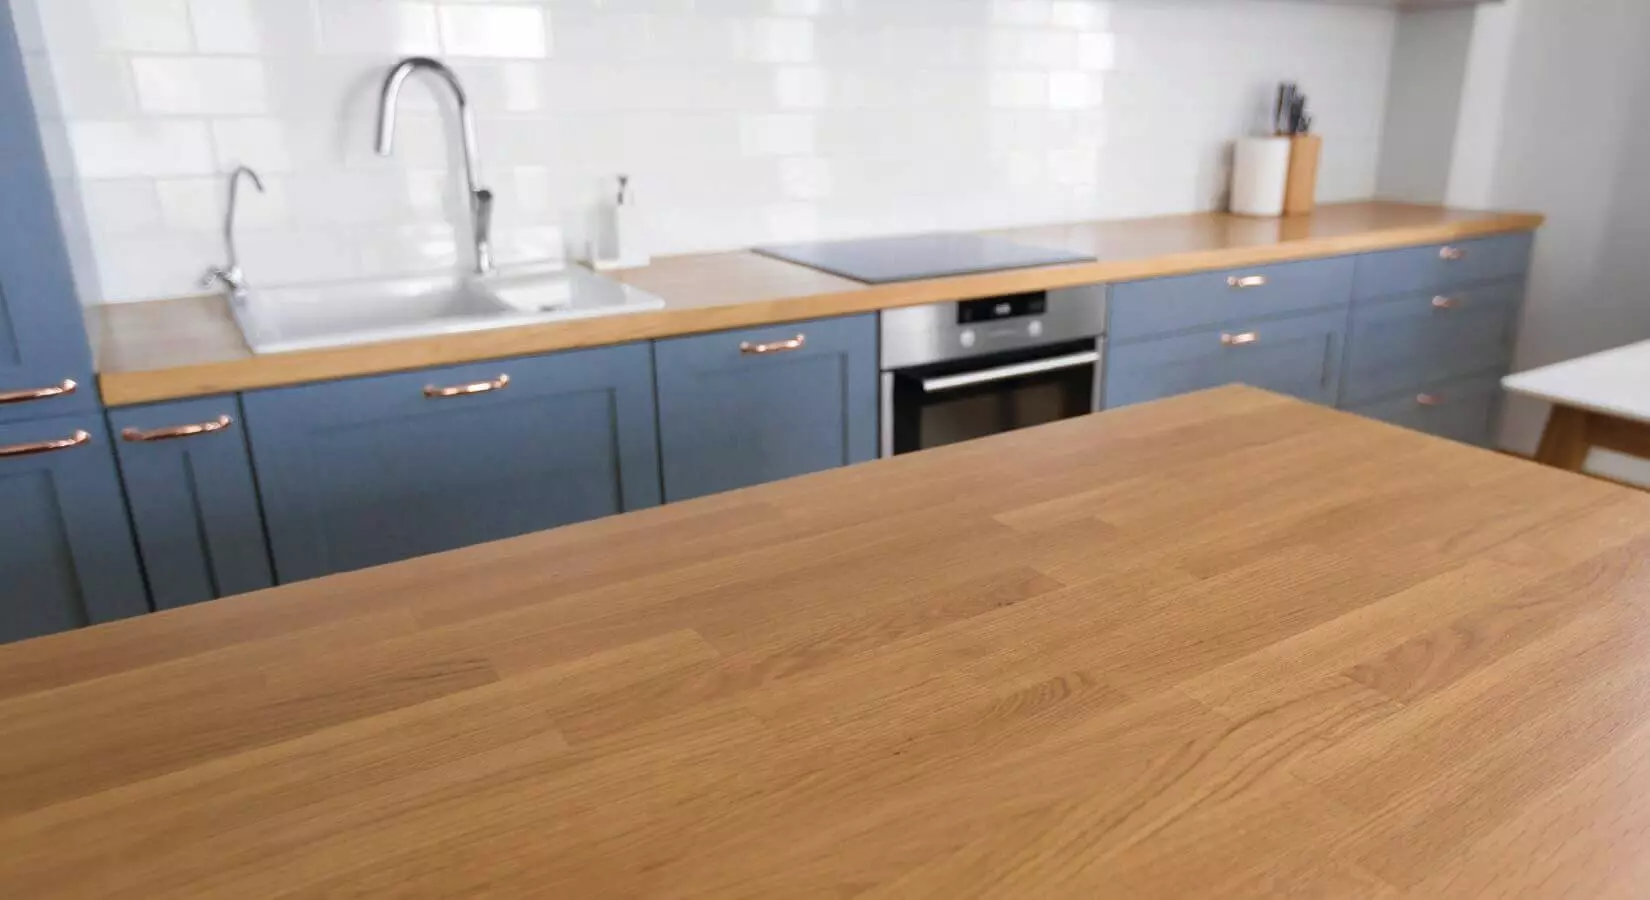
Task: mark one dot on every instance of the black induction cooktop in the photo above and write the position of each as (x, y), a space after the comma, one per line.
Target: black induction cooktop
(919, 256)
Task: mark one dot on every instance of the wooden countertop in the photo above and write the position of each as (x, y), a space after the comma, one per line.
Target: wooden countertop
(189, 347)
(1224, 645)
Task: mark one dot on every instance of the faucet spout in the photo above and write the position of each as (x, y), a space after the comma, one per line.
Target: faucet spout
(481, 199)
(231, 276)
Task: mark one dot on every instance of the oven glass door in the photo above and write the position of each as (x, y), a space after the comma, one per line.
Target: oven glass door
(950, 402)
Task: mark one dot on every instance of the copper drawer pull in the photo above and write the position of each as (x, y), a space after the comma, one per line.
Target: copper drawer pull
(795, 343)
(1248, 281)
(1452, 254)
(1430, 399)
(464, 390)
(75, 440)
(1238, 340)
(57, 390)
(176, 431)
(1445, 302)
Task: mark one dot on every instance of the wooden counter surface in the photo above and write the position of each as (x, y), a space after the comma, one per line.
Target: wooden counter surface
(172, 349)
(1225, 645)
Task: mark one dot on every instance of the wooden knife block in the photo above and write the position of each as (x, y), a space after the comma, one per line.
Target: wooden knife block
(1300, 196)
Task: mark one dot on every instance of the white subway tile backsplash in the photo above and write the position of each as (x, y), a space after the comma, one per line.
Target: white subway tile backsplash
(741, 121)
(257, 142)
(505, 31)
(200, 85)
(123, 206)
(199, 204)
(378, 26)
(776, 135)
(90, 86)
(226, 26)
(143, 26)
(1096, 50)
(148, 265)
(140, 148)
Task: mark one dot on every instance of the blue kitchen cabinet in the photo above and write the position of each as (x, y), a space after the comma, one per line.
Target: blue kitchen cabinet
(45, 361)
(1299, 356)
(1160, 306)
(193, 499)
(1462, 410)
(372, 470)
(1409, 340)
(66, 555)
(1443, 266)
(738, 408)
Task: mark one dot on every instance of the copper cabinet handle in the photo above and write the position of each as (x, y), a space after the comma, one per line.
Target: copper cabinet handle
(1247, 281)
(1452, 254)
(57, 390)
(795, 343)
(464, 390)
(74, 440)
(176, 431)
(1445, 302)
(1238, 340)
(1430, 399)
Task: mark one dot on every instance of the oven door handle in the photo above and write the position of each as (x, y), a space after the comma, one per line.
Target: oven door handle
(1004, 373)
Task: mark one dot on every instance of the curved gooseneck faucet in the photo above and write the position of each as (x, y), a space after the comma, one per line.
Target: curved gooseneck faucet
(231, 276)
(481, 199)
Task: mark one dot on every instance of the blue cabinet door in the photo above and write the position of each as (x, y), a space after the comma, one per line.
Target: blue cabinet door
(1410, 340)
(373, 470)
(1462, 410)
(1443, 267)
(1299, 356)
(738, 408)
(66, 556)
(1160, 306)
(45, 361)
(194, 504)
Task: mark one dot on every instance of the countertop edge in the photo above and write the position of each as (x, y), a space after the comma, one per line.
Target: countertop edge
(185, 381)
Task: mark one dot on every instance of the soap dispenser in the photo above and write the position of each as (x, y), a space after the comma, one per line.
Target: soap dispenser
(621, 243)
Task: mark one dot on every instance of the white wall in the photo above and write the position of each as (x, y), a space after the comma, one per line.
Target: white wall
(1554, 120)
(1429, 62)
(741, 121)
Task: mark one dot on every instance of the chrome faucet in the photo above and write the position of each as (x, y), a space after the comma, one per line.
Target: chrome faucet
(481, 199)
(231, 277)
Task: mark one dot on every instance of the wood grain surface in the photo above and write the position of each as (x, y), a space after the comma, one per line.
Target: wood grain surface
(1225, 645)
(171, 349)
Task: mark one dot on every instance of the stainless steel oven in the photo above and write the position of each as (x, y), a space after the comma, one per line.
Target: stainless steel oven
(957, 371)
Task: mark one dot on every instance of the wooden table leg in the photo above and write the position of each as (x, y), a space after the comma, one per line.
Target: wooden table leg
(1565, 444)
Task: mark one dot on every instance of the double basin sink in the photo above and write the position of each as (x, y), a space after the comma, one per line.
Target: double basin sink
(277, 320)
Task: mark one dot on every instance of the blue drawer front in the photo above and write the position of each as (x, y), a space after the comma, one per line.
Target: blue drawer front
(1166, 305)
(1416, 339)
(730, 419)
(368, 471)
(1443, 266)
(1299, 356)
(1462, 410)
(194, 502)
(66, 551)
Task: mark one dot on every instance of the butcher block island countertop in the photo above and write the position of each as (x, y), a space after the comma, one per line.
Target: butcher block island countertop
(1224, 645)
(171, 349)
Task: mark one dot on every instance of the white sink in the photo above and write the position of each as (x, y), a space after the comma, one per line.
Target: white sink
(276, 320)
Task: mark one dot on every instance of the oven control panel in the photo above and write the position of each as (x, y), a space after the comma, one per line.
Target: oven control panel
(919, 335)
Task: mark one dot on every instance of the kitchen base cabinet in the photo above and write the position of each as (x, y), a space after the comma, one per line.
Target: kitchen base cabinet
(1299, 356)
(66, 554)
(45, 361)
(1462, 410)
(746, 407)
(1411, 340)
(193, 499)
(373, 470)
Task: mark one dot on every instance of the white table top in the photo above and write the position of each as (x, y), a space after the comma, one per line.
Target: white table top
(1615, 382)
